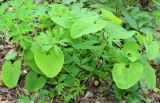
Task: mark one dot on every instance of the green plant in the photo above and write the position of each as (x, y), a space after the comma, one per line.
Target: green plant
(72, 43)
(11, 73)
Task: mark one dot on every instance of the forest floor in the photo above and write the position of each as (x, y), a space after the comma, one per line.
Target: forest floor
(96, 95)
(92, 95)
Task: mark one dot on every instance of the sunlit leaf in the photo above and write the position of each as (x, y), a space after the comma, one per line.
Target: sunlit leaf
(110, 16)
(49, 63)
(11, 72)
(126, 77)
(86, 25)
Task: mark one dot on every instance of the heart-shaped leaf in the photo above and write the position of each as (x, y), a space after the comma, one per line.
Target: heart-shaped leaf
(50, 64)
(11, 73)
(125, 77)
(34, 83)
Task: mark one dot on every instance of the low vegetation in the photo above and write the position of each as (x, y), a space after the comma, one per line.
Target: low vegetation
(63, 48)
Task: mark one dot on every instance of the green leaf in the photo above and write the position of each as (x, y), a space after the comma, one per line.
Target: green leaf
(118, 32)
(68, 97)
(61, 16)
(149, 77)
(86, 25)
(132, 101)
(69, 81)
(3, 7)
(152, 50)
(63, 21)
(58, 9)
(44, 92)
(127, 17)
(88, 68)
(60, 87)
(115, 55)
(34, 67)
(11, 73)
(10, 56)
(146, 30)
(110, 16)
(131, 50)
(140, 38)
(86, 45)
(101, 74)
(73, 71)
(76, 60)
(118, 93)
(24, 99)
(149, 37)
(16, 3)
(34, 83)
(126, 77)
(45, 41)
(68, 1)
(51, 63)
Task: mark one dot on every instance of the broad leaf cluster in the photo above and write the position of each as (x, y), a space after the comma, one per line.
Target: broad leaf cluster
(76, 44)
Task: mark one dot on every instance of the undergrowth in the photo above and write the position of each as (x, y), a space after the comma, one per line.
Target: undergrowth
(62, 46)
